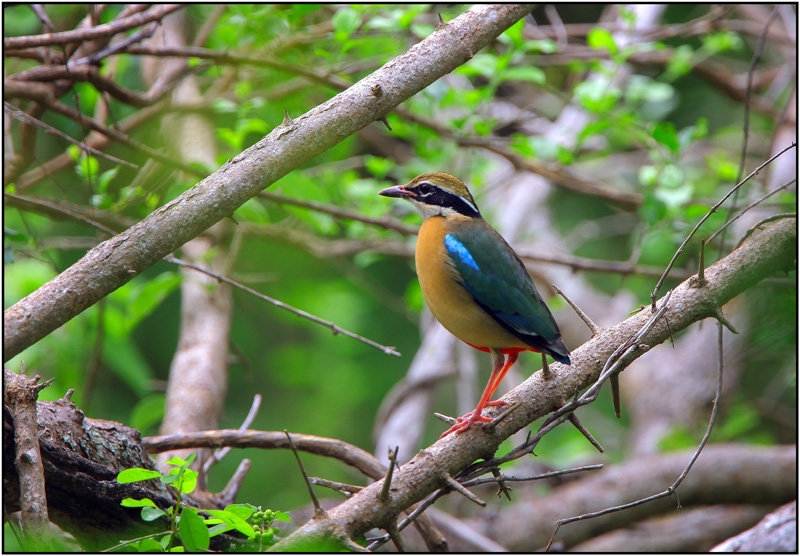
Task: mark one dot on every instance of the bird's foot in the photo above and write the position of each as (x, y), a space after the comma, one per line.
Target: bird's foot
(465, 422)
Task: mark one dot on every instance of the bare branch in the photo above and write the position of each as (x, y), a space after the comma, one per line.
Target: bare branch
(100, 31)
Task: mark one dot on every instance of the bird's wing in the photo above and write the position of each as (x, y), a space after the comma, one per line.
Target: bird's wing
(496, 278)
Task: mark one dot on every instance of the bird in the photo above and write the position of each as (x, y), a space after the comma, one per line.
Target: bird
(475, 284)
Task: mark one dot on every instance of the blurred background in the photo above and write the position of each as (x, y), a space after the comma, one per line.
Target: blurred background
(593, 137)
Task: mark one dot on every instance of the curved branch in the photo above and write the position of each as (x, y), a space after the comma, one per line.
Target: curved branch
(118, 260)
(774, 249)
(724, 474)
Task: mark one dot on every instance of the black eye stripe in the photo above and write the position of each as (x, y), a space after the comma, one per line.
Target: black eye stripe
(430, 194)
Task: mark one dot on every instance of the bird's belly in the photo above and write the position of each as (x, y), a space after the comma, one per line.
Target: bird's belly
(450, 303)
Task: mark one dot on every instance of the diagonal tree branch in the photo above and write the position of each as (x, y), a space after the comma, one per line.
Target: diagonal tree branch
(773, 249)
(118, 260)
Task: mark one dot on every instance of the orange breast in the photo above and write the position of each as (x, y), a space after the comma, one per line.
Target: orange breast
(447, 299)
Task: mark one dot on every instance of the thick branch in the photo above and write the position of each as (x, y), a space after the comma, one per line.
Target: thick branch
(724, 474)
(116, 261)
(772, 249)
(19, 397)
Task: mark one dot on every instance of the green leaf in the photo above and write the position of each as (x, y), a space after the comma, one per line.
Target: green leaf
(378, 166)
(679, 438)
(224, 106)
(601, 39)
(681, 62)
(593, 128)
(481, 64)
(282, 516)
(597, 95)
(193, 532)
(652, 209)
(127, 362)
(642, 89)
(189, 481)
(252, 210)
(665, 134)
(148, 412)
(136, 474)
(134, 503)
(671, 177)
(106, 178)
(725, 169)
(721, 41)
(525, 73)
(648, 175)
(544, 46)
(87, 168)
(176, 461)
(14, 234)
(674, 197)
(522, 144)
(141, 297)
(169, 479)
(345, 21)
(514, 34)
(243, 511)
(152, 514)
(252, 125)
(234, 521)
(218, 528)
(149, 545)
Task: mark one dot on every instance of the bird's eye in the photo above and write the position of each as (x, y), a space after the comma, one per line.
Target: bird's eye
(425, 189)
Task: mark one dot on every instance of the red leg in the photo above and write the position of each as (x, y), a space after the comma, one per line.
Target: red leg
(499, 370)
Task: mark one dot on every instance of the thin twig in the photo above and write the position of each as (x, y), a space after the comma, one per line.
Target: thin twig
(585, 432)
(706, 217)
(757, 225)
(387, 482)
(342, 488)
(394, 534)
(220, 453)
(98, 32)
(502, 488)
(340, 212)
(547, 374)
(318, 510)
(672, 488)
(548, 475)
(748, 207)
(488, 427)
(459, 488)
(28, 119)
(280, 304)
(446, 418)
(593, 328)
(424, 505)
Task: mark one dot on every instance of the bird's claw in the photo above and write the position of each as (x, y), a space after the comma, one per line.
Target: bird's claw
(466, 421)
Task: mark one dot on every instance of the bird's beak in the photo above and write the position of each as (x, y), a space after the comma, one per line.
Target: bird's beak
(398, 191)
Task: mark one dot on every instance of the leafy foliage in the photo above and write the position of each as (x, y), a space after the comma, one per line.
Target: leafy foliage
(193, 531)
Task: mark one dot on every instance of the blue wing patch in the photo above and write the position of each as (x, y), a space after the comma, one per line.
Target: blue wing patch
(460, 250)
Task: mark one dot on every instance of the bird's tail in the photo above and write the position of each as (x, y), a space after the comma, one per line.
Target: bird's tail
(558, 351)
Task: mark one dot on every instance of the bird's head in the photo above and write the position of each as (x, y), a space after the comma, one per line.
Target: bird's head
(436, 194)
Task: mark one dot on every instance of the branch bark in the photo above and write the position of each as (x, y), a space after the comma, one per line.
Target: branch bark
(118, 260)
(19, 396)
(773, 249)
(723, 474)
